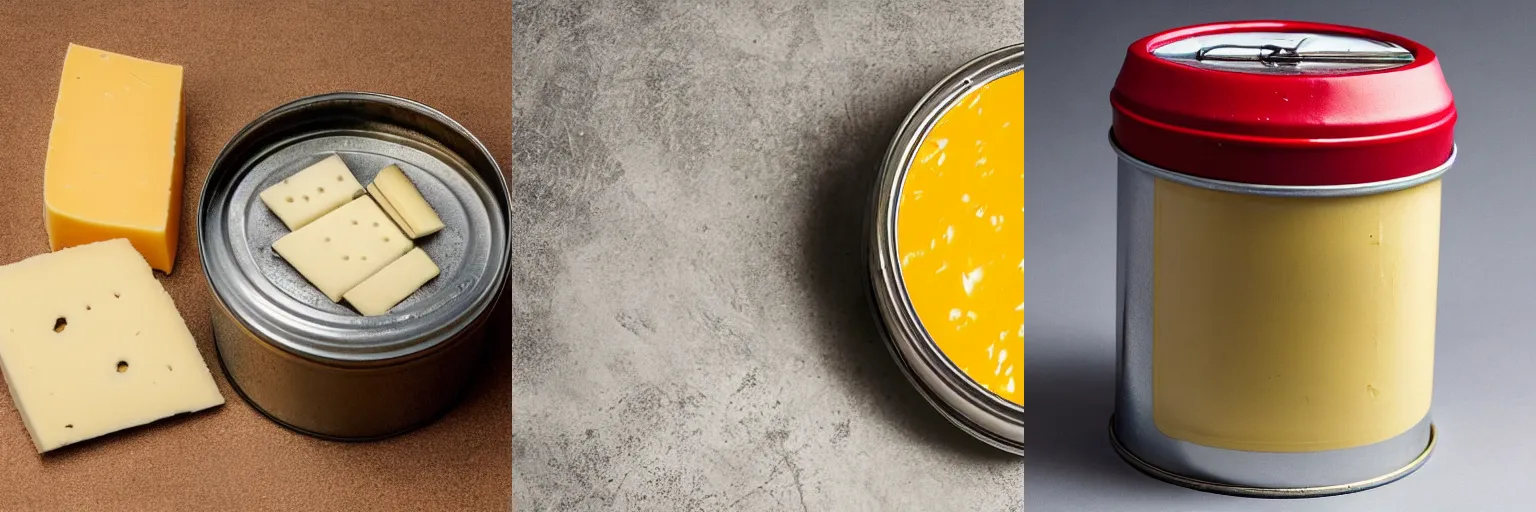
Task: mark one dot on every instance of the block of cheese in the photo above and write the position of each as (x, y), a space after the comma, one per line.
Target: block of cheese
(373, 190)
(114, 164)
(376, 295)
(324, 186)
(391, 187)
(344, 247)
(90, 344)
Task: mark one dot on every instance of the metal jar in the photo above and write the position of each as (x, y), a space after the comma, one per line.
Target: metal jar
(983, 414)
(316, 366)
(1279, 224)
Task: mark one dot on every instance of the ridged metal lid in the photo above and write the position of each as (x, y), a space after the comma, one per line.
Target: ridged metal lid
(453, 171)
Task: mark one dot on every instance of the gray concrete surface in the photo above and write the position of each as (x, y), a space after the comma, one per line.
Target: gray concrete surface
(689, 331)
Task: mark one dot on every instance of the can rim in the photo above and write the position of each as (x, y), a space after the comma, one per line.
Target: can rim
(933, 373)
(321, 349)
(1348, 190)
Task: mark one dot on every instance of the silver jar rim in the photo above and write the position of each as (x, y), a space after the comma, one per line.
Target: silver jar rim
(322, 334)
(977, 411)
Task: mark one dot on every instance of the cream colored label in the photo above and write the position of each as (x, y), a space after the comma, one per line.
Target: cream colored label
(1292, 324)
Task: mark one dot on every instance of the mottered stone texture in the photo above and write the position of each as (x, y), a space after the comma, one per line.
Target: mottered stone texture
(690, 331)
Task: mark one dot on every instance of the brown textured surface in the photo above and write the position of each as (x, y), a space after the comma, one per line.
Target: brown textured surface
(242, 58)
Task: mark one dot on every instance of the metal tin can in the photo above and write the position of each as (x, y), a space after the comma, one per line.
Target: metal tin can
(960, 360)
(1279, 224)
(316, 366)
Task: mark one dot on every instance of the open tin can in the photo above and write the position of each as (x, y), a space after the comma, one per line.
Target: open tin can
(946, 272)
(1279, 230)
(317, 366)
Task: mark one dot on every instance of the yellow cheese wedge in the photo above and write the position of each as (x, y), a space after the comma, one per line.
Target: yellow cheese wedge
(397, 191)
(114, 164)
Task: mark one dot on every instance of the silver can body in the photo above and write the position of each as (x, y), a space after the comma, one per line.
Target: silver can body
(1136, 433)
(316, 366)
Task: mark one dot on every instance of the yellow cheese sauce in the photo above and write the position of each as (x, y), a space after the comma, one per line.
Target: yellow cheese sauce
(960, 235)
(1292, 324)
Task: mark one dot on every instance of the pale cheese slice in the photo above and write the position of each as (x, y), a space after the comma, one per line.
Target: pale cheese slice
(397, 190)
(91, 344)
(373, 190)
(393, 284)
(344, 247)
(300, 199)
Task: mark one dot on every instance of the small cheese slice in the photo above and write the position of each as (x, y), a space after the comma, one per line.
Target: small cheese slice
(114, 164)
(397, 190)
(324, 186)
(389, 209)
(90, 344)
(376, 295)
(344, 247)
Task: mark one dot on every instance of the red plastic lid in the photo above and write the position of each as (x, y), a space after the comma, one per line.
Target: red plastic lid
(1284, 103)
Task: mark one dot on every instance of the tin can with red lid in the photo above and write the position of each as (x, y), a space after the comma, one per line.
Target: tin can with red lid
(1279, 226)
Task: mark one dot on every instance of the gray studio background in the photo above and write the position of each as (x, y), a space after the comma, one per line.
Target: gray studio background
(1485, 383)
(689, 185)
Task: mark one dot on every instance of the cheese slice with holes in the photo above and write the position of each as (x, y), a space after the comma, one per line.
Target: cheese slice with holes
(393, 188)
(315, 191)
(344, 247)
(91, 344)
(378, 294)
(114, 164)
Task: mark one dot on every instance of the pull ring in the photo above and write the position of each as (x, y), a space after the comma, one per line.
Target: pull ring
(1270, 54)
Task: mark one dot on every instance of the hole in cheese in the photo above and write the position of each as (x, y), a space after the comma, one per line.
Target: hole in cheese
(289, 199)
(320, 189)
(69, 425)
(345, 257)
(306, 198)
(122, 367)
(338, 177)
(117, 295)
(60, 324)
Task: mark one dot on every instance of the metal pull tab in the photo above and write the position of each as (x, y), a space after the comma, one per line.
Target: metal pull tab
(1286, 53)
(1271, 54)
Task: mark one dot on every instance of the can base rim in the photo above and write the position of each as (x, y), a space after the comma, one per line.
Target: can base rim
(430, 419)
(1269, 493)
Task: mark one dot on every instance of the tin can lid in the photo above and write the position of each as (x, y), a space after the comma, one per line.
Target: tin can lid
(271, 301)
(1284, 103)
